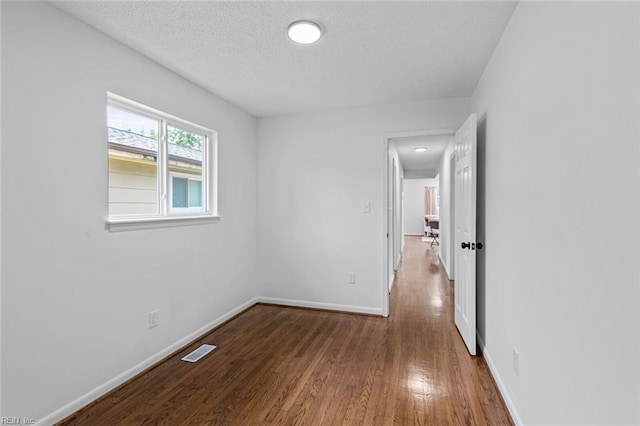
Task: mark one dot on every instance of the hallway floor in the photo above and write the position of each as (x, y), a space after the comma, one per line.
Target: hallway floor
(281, 365)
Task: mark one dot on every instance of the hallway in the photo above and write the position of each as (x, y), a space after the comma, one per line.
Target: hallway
(443, 381)
(282, 365)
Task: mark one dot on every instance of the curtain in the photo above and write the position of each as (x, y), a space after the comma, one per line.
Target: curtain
(430, 208)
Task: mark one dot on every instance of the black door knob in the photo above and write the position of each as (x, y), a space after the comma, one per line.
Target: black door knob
(466, 245)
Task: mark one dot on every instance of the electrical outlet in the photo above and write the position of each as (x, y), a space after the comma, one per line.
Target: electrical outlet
(351, 278)
(516, 362)
(153, 319)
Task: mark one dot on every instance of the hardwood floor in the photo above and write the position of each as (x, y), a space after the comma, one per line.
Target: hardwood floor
(279, 365)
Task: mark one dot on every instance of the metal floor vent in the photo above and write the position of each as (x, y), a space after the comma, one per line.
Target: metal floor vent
(199, 353)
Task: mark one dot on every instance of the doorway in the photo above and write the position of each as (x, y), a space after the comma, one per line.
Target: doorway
(464, 143)
(399, 146)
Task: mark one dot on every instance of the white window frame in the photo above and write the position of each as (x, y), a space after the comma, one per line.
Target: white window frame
(168, 216)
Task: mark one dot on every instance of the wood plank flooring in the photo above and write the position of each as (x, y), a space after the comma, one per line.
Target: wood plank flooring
(280, 366)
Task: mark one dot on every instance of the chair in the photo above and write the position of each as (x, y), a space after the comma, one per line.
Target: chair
(434, 226)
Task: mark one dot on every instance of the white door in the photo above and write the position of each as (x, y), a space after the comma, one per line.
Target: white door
(394, 187)
(465, 232)
(390, 223)
(398, 231)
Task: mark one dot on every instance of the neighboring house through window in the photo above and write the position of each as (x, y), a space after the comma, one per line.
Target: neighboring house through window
(160, 166)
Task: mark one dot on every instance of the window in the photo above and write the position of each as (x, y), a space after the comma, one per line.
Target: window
(186, 192)
(160, 167)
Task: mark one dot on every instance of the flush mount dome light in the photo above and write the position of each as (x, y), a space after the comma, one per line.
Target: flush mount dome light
(304, 32)
(420, 149)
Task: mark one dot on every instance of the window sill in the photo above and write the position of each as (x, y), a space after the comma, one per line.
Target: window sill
(132, 224)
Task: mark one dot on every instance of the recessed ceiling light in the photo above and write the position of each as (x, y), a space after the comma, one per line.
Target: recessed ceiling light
(304, 32)
(420, 149)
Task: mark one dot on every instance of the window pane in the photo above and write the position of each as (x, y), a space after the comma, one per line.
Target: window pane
(180, 192)
(133, 163)
(195, 193)
(186, 156)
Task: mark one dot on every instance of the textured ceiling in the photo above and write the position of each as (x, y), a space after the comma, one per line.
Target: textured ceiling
(371, 52)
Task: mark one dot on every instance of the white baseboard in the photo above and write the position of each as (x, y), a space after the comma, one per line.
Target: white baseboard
(393, 280)
(101, 390)
(91, 396)
(501, 386)
(444, 264)
(408, 234)
(320, 305)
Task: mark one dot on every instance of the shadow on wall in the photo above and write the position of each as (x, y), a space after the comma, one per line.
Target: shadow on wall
(480, 228)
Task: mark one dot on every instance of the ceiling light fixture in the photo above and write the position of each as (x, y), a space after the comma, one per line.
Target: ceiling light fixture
(304, 32)
(420, 149)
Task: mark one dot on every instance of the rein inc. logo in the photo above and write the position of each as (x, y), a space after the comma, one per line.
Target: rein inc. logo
(17, 421)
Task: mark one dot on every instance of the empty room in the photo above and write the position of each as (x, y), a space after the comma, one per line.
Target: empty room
(320, 213)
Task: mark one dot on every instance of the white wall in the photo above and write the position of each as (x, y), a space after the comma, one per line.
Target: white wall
(446, 205)
(75, 298)
(1, 97)
(315, 172)
(559, 100)
(413, 214)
